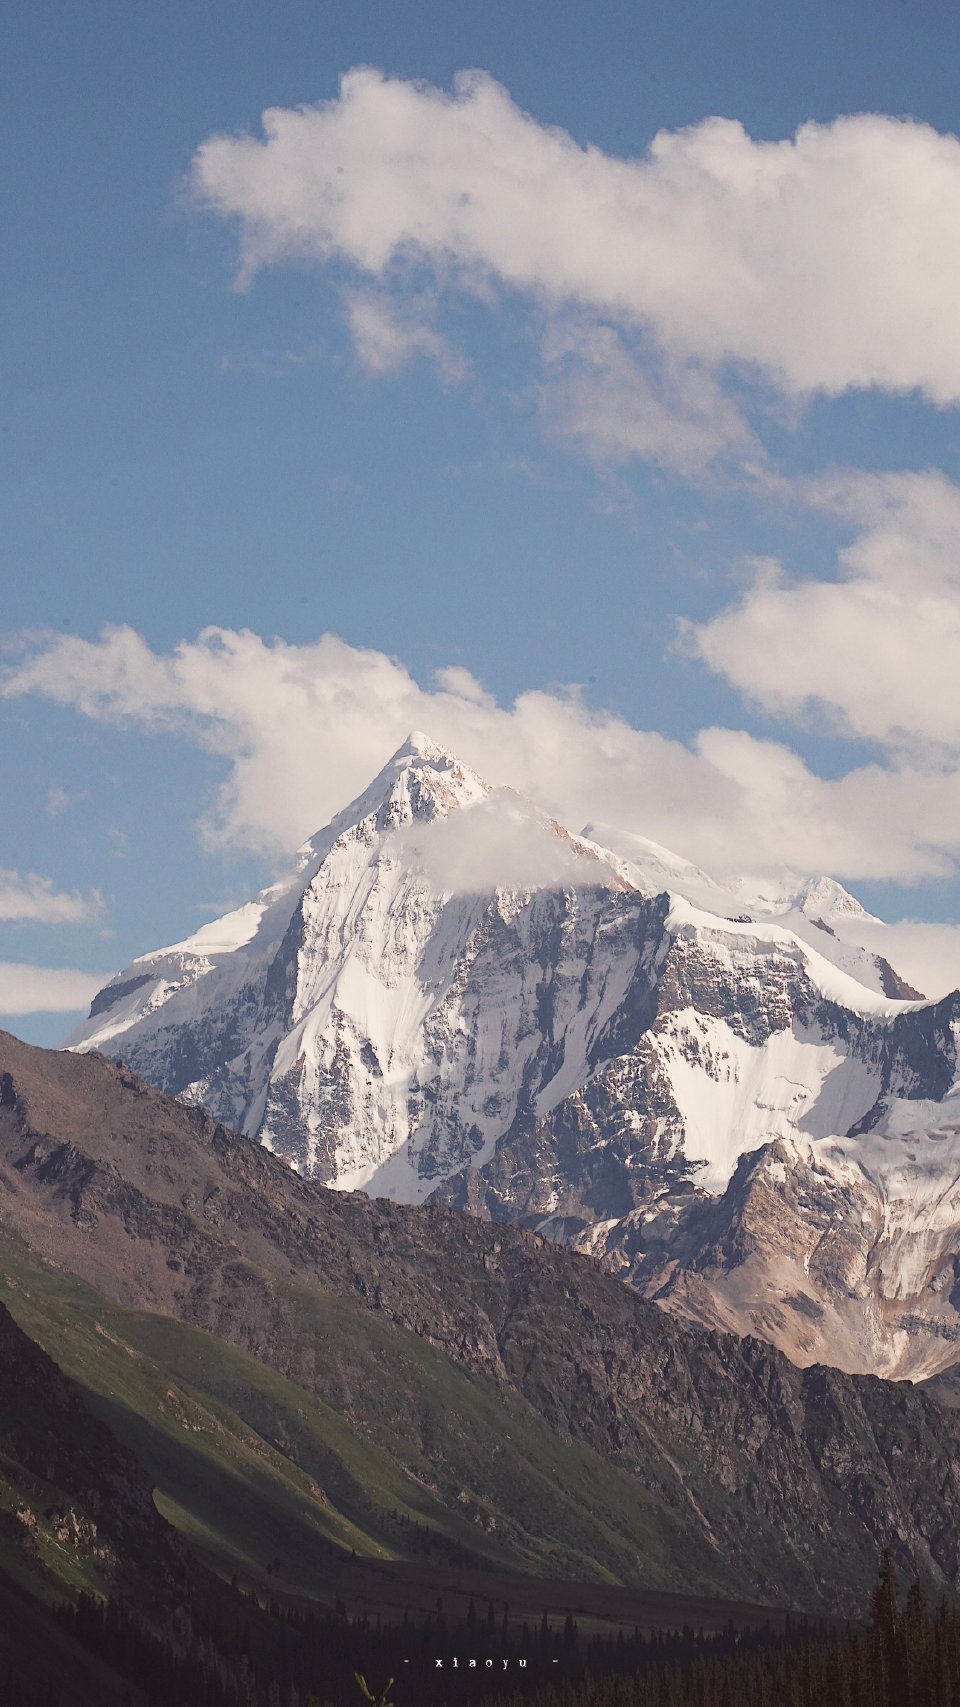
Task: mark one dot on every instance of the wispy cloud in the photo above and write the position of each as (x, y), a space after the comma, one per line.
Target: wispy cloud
(34, 899)
(28, 989)
(58, 799)
(388, 336)
(500, 841)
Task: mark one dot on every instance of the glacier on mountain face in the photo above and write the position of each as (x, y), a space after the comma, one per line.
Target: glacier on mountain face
(452, 998)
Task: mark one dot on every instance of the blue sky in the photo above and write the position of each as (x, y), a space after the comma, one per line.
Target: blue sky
(594, 436)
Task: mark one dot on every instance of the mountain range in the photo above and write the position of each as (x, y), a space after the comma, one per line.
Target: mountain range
(711, 1087)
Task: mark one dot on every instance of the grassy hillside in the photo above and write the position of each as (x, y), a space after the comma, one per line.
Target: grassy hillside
(274, 1486)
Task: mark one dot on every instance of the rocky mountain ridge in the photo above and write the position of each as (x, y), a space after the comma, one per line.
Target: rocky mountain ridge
(767, 1479)
(452, 998)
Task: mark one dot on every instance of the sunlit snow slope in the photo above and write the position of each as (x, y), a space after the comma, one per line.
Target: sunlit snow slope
(450, 996)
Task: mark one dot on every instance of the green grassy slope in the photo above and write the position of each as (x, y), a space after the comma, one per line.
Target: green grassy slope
(271, 1484)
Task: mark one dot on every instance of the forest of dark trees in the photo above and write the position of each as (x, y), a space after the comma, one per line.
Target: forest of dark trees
(238, 1653)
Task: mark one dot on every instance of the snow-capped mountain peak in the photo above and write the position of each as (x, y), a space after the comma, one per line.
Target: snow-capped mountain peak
(450, 996)
(422, 781)
(820, 899)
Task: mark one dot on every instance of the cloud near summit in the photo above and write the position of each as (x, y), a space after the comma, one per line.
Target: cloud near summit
(301, 729)
(819, 263)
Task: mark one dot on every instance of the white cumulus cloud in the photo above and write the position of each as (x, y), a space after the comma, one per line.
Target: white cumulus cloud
(301, 729)
(875, 652)
(822, 262)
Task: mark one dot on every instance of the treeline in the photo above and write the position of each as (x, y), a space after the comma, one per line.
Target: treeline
(907, 1656)
(229, 1650)
(239, 1653)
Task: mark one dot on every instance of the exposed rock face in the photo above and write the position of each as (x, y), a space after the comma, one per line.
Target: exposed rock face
(451, 998)
(806, 1250)
(838, 1240)
(788, 1479)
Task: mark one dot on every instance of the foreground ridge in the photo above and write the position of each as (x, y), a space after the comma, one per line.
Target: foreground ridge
(759, 1479)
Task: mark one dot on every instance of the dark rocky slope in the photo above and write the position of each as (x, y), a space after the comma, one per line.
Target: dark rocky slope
(786, 1479)
(75, 1504)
